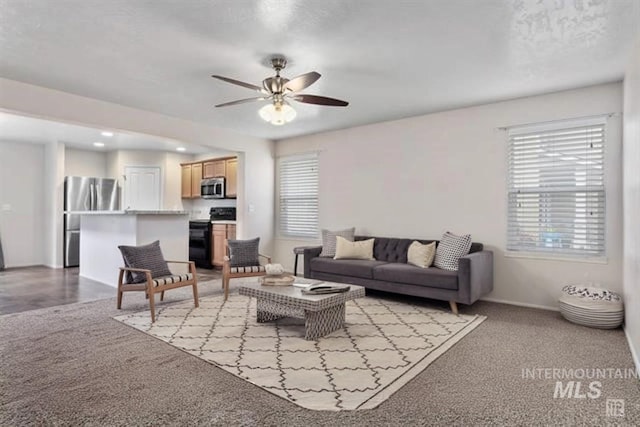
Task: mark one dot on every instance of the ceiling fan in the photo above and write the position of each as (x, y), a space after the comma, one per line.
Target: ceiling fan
(280, 90)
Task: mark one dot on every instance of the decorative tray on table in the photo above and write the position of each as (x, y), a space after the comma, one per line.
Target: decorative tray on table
(277, 280)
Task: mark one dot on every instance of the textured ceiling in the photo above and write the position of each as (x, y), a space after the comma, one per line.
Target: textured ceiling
(388, 58)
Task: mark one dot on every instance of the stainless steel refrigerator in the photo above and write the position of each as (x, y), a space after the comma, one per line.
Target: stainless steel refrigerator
(83, 193)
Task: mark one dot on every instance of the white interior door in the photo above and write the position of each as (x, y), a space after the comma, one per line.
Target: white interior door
(142, 188)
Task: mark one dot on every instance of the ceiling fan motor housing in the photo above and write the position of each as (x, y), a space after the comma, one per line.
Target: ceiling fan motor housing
(278, 63)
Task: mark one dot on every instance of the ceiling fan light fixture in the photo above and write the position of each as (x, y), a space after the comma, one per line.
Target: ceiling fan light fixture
(277, 114)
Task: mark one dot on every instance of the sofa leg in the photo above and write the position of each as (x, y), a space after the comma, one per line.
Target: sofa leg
(454, 307)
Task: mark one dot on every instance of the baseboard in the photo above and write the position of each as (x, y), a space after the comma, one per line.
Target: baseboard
(634, 354)
(521, 304)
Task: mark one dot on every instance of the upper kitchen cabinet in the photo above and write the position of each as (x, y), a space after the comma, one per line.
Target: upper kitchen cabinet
(194, 173)
(191, 177)
(231, 176)
(214, 169)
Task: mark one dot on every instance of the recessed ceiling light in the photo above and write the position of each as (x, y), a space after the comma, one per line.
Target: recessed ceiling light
(181, 149)
(99, 144)
(108, 134)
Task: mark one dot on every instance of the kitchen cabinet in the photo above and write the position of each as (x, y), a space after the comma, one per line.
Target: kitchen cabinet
(186, 181)
(232, 177)
(196, 177)
(194, 173)
(220, 233)
(191, 177)
(214, 169)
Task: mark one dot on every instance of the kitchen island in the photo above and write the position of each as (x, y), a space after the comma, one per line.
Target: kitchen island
(101, 232)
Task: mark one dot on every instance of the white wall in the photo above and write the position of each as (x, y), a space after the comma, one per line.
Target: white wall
(46, 103)
(85, 163)
(22, 171)
(53, 177)
(422, 176)
(170, 172)
(631, 165)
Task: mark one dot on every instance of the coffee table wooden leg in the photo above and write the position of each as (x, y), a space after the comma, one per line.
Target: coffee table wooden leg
(320, 323)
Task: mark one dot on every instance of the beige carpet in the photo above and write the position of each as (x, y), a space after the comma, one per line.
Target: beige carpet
(383, 345)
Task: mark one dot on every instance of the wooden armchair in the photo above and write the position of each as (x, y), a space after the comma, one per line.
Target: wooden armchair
(229, 272)
(160, 284)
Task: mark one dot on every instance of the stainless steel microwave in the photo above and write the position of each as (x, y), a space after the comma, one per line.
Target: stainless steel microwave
(212, 188)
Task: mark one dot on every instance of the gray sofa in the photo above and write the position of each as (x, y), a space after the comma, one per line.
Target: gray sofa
(390, 272)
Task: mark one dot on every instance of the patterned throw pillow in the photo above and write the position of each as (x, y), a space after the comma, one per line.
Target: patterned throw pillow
(450, 249)
(329, 240)
(148, 257)
(421, 255)
(244, 253)
(345, 249)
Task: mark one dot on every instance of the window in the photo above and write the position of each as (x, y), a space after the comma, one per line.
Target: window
(556, 189)
(298, 196)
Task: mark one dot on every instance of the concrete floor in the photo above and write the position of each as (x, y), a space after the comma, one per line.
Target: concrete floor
(31, 288)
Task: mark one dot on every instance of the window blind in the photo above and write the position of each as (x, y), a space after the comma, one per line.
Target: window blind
(298, 196)
(556, 190)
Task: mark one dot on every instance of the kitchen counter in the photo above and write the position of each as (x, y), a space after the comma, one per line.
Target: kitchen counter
(128, 212)
(101, 232)
(223, 222)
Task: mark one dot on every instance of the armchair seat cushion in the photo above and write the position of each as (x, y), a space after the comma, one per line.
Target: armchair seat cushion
(175, 278)
(346, 267)
(412, 275)
(247, 269)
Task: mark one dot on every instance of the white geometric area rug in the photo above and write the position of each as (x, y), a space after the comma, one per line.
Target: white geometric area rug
(383, 345)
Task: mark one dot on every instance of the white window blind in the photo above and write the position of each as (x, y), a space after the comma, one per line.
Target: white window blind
(556, 189)
(298, 196)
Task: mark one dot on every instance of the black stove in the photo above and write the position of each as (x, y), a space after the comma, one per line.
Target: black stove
(222, 214)
(200, 235)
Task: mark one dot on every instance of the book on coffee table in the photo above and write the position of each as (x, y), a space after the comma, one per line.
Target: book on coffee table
(305, 283)
(324, 288)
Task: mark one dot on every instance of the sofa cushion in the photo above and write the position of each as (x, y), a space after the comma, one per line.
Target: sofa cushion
(329, 240)
(346, 267)
(353, 250)
(421, 255)
(412, 275)
(389, 249)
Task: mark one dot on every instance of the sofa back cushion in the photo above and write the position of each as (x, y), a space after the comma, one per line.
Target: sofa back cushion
(392, 249)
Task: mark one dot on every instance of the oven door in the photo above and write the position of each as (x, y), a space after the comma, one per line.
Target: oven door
(200, 243)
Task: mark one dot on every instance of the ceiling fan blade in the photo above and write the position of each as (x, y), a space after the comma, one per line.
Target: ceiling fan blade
(239, 83)
(303, 81)
(241, 101)
(319, 100)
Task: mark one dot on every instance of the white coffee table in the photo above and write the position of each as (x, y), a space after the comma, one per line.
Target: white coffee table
(322, 314)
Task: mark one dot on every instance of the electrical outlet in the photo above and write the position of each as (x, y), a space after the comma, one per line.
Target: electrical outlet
(252, 207)
(7, 207)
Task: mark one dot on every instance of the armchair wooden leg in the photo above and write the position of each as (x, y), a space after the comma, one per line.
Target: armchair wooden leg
(152, 302)
(195, 294)
(162, 296)
(454, 307)
(225, 285)
(120, 289)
